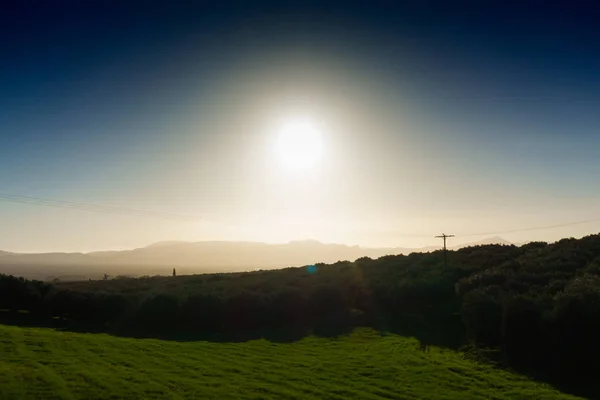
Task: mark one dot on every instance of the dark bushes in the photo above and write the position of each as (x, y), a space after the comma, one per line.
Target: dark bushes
(537, 305)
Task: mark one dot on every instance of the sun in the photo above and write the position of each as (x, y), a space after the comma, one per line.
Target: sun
(299, 143)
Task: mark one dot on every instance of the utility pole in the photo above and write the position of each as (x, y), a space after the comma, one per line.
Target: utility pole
(444, 236)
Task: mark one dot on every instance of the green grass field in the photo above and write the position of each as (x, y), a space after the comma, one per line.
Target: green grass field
(41, 363)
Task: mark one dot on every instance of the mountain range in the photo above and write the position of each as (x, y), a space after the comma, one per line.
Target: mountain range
(193, 257)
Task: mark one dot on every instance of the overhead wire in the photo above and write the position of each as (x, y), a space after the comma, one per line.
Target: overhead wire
(126, 211)
(529, 229)
(95, 207)
(459, 235)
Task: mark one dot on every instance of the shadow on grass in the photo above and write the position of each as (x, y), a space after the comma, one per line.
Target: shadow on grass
(25, 319)
(448, 336)
(278, 335)
(281, 334)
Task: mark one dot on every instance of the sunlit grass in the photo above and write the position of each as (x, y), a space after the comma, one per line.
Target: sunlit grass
(40, 363)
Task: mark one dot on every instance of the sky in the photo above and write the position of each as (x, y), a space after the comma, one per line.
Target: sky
(465, 119)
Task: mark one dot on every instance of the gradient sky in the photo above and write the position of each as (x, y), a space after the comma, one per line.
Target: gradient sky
(435, 119)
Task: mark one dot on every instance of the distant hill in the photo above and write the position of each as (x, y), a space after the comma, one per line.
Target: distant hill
(192, 257)
(166, 243)
(483, 242)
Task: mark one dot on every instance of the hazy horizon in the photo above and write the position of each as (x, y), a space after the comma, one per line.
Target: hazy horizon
(196, 258)
(378, 127)
(437, 245)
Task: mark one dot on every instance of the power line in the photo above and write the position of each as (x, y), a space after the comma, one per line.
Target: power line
(404, 235)
(504, 232)
(95, 207)
(516, 97)
(530, 229)
(117, 210)
(444, 236)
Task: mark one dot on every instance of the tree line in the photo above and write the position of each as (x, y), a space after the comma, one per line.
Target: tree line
(537, 306)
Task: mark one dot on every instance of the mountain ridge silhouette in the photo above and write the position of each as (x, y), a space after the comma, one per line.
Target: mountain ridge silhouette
(196, 257)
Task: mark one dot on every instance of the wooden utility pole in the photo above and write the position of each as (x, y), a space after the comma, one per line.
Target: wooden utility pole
(444, 236)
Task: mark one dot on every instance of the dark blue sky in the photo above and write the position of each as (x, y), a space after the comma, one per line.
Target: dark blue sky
(129, 102)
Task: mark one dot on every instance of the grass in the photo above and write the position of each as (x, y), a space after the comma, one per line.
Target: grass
(42, 363)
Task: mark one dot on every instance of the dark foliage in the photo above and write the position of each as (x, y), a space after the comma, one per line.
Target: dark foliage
(537, 307)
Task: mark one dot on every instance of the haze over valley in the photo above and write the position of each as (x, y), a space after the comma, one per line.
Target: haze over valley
(192, 258)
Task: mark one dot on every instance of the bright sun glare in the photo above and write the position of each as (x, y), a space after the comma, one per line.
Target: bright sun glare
(299, 143)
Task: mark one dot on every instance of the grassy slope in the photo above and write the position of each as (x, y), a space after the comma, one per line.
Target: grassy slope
(40, 363)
